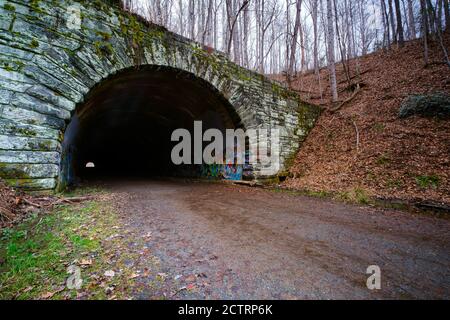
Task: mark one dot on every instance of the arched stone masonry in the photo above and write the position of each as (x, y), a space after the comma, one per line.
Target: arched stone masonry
(49, 64)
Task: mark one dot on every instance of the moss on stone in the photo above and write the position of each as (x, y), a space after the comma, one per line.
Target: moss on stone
(35, 6)
(34, 44)
(14, 65)
(103, 49)
(25, 132)
(9, 7)
(14, 171)
(104, 35)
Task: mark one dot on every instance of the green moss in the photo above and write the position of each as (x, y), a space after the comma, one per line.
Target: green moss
(25, 132)
(103, 49)
(104, 35)
(14, 65)
(9, 7)
(11, 26)
(35, 5)
(133, 32)
(14, 170)
(7, 67)
(34, 44)
(45, 145)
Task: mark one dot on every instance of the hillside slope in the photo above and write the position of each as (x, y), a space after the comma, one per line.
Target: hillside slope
(395, 158)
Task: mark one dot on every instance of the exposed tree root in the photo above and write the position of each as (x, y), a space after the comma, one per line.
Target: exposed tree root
(339, 106)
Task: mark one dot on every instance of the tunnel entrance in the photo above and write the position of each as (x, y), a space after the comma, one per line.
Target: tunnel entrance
(124, 127)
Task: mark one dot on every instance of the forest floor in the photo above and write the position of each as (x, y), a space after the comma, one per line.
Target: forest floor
(406, 159)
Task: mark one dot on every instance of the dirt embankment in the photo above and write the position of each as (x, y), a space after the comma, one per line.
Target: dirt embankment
(365, 146)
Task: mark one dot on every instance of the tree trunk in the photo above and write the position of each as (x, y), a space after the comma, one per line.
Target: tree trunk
(447, 14)
(297, 26)
(315, 31)
(331, 53)
(192, 19)
(425, 31)
(400, 34)
(412, 22)
(392, 21)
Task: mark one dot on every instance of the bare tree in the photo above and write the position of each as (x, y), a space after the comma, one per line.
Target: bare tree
(232, 18)
(385, 17)
(280, 36)
(293, 45)
(314, 16)
(411, 21)
(392, 21)
(191, 22)
(400, 34)
(331, 53)
(425, 30)
(447, 14)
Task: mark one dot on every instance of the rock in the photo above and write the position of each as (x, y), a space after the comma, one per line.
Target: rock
(433, 105)
(109, 273)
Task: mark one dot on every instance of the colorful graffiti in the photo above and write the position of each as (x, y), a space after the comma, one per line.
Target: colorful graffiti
(233, 172)
(211, 171)
(219, 171)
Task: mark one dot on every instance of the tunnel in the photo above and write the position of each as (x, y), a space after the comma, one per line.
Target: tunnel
(124, 126)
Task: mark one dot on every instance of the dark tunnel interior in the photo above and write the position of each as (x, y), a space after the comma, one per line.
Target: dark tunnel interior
(124, 127)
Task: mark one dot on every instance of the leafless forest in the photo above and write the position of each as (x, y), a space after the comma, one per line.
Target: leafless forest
(288, 36)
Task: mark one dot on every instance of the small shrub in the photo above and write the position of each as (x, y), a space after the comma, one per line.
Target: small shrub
(356, 195)
(383, 160)
(361, 196)
(426, 182)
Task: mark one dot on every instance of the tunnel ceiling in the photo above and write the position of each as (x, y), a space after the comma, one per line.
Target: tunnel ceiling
(155, 96)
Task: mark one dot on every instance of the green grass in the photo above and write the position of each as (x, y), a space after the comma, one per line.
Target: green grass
(35, 255)
(357, 195)
(316, 194)
(426, 182)
(85, 191)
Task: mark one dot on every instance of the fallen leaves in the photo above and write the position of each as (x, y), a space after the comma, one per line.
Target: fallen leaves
(47, 295)
(86, 262)
(50, 294)
(329, 159)
(134, 276)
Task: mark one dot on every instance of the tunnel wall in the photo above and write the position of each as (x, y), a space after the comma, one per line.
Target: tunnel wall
(47, 69)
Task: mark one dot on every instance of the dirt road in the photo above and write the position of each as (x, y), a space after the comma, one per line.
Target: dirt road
(218, 241)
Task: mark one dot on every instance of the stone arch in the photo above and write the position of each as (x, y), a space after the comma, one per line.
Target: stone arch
(47, 67)
(145, 104)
